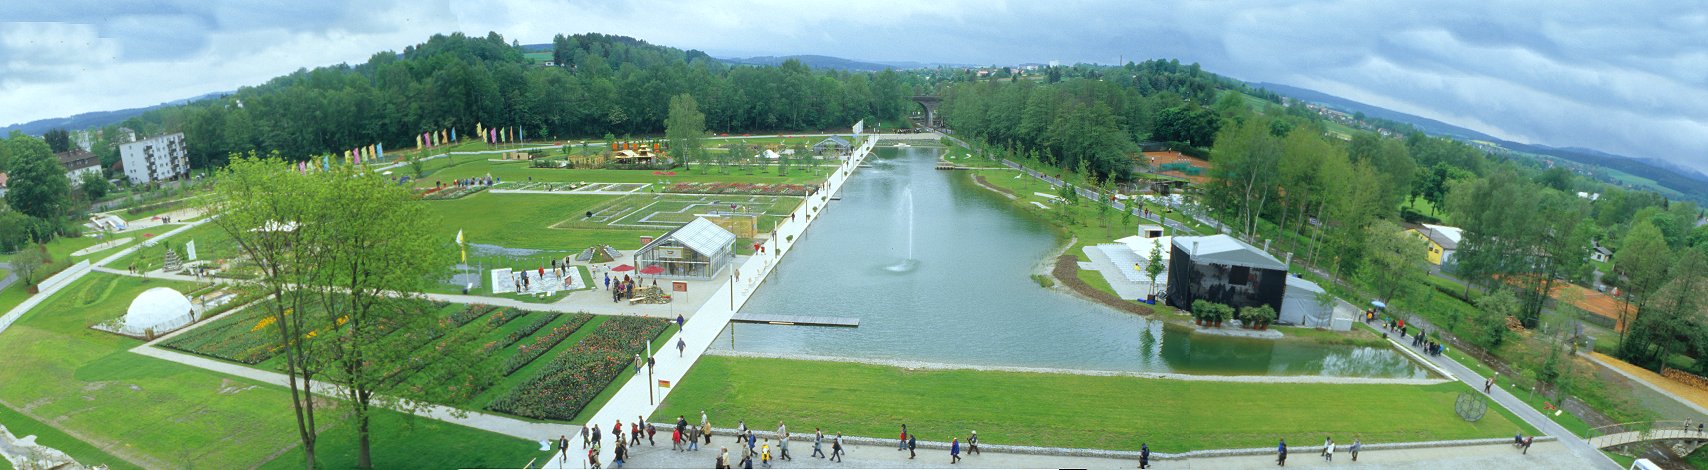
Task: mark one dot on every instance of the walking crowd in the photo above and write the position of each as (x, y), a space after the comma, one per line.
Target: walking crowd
(751, 450)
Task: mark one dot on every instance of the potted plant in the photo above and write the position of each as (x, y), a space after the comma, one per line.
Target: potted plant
(1219, 313)
(1200, 311)
(1258, 317)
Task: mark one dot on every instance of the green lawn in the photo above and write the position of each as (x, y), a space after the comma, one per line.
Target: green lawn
(1068, 410)
(160, 414)
(20, 425)
(212, 243)
(531, 221)
(413, 442)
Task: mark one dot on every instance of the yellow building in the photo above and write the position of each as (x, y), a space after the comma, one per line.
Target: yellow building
(1443, 241)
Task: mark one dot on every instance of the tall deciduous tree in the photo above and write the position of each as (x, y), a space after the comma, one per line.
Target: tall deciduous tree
(1643, 259)
(375, 242)
(685, 128)
(37, 185)
(58, 140)
(1393, 258)
(267, 210)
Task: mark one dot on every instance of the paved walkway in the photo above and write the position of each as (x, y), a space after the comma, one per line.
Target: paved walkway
(1589, 455)
(1549, 455)
(11, 276)
(638, 396)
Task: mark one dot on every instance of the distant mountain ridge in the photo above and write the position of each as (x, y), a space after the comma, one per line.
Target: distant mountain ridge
(1667, 174)
(813, 61)
(96, 118)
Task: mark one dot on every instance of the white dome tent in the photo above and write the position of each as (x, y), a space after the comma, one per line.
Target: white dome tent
(155, 312)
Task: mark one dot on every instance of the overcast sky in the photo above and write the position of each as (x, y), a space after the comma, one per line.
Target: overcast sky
(1624, 77)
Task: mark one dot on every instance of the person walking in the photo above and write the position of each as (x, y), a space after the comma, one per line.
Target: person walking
(1281, 453)
(973, 443)
(836, 448)
(818, 443)
(1527, 442)
(765, 454)
(912, 446)
(593, 457)
(783, 442)
(954, 450)
(676, 439)
(563, 449)
(1144, 455)
(635, 433)
(901, 444)
(723, 458)
(596, 437)
(1328, 449)
(741, 430)
(650, 432)
(693, 437)
(584, 440)
(618, 455)
(1357, 445)
(681, 346)
(705, 429)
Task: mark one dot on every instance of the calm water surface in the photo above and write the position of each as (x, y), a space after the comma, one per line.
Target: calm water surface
(965, 295)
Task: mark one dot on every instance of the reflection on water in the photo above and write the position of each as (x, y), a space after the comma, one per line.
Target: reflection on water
(965, 295)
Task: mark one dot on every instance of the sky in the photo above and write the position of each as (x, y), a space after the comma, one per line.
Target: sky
(1628, 77)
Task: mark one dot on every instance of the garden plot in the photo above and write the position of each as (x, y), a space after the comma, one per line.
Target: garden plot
(673, 211)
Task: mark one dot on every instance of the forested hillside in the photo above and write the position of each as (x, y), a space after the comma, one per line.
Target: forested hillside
(601, 84)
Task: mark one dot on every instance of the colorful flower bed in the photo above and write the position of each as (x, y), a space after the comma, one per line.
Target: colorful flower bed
(247, 337)
(577, 375)
(528, 352)
(764, 189)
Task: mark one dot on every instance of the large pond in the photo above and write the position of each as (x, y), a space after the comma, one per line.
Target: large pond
(937, 270)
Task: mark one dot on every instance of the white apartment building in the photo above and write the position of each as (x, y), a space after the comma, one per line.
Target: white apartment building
(156, 159)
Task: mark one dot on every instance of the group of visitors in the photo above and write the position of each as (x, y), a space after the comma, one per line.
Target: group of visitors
(487, 180)
(752, 449)
(1281, 451)
(1429, 346)
(624, 288)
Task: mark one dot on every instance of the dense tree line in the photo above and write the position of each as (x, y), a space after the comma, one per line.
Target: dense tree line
(600, 84)
(1088, 115)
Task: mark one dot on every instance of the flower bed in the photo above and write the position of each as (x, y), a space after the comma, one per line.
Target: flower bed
(514, 336)
(247, 337)
(470, 313)
(763, 189)
(528, 352)
(453, 192)
(577, 375)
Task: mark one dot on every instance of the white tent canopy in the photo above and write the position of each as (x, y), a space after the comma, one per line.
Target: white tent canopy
(160, 309)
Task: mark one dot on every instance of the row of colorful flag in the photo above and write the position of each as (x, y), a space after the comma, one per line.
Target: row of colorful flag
(355, 156)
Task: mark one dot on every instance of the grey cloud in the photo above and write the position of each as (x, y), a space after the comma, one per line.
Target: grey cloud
(1626, 77)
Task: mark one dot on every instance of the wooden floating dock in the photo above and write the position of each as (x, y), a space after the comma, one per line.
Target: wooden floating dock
(803, 320)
